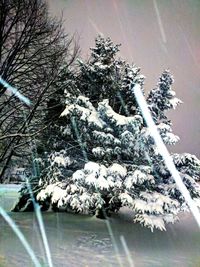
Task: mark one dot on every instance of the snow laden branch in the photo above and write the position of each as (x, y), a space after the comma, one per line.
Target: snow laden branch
(165, 154)
(120, 173)
(124, 166)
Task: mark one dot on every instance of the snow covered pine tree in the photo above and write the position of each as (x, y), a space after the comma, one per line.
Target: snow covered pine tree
(110, 159)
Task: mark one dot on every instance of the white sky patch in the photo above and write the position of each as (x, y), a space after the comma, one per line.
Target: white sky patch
(164, 152)
(160, 24)
(15, 92)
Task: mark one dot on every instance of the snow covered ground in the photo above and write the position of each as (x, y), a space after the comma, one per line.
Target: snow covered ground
(9, 187)
(77, 240)
(8, 195)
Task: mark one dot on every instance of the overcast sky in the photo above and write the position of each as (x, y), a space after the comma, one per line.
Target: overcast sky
(155, 35)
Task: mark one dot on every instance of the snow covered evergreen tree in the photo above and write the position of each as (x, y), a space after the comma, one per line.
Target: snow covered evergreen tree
(110, 159)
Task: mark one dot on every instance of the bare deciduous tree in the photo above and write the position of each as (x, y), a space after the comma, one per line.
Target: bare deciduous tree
(33, 47)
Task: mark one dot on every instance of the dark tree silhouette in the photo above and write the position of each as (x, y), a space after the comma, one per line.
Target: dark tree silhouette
(33, 47)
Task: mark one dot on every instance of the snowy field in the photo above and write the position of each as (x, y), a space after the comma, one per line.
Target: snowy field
(77, 240)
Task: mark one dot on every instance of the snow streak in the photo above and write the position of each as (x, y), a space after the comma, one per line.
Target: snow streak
(78, 136)
(15, 92)
(127, 251)
(20, 236)
(160, 22)
(41, 225)
(136, 89)
(110, 231)
(107, 221)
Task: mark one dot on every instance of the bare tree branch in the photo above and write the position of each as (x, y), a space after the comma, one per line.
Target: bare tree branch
(33, 47)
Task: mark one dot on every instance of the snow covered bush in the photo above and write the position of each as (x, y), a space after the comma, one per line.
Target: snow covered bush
(110, 159)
